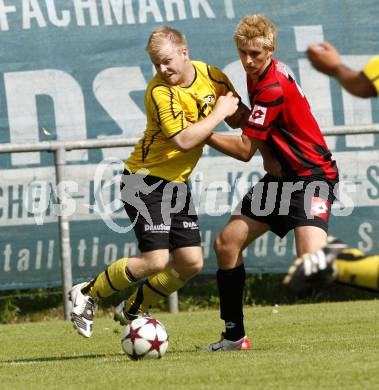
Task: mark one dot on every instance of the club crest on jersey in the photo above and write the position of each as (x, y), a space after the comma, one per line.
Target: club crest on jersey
(209, 99)
(258, 115)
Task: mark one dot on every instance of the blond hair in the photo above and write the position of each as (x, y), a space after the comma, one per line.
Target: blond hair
(163, 34)
(256, 29)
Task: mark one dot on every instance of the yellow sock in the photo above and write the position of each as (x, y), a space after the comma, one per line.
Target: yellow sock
(114, 278)
(357, 269)
(156, 287)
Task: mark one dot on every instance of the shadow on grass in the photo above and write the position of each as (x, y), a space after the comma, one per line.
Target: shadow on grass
(60, 358)
(51, 359)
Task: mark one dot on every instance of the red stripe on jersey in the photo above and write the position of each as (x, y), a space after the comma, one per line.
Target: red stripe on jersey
(281, 115)
(255, 133)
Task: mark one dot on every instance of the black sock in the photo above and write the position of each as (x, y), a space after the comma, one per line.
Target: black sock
(231, 284)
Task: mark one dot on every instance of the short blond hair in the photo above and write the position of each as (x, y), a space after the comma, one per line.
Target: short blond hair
(256, 29)
(162, 34)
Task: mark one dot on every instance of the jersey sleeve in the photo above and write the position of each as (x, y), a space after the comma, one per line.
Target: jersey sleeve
(267, 107)
(371, 70)
(168, 112)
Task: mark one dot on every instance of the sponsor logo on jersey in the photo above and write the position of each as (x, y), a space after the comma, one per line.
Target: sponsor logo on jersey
(258, 115)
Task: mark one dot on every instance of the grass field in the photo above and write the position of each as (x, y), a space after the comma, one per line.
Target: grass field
(313, 346)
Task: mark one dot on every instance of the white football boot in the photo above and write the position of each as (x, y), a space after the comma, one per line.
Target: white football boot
(313, 268)
(83, 310)
(223, 344)
(123, 317)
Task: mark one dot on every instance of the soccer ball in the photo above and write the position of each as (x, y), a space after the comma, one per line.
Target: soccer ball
(145, 338)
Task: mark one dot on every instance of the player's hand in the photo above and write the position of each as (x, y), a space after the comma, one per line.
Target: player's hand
(226, 105)
(324, 57)
(239, 118)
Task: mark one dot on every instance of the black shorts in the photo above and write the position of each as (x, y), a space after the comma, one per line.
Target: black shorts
(162, 212)
(285, 204)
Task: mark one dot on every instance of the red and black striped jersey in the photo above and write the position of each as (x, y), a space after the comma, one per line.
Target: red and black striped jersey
(281, 115)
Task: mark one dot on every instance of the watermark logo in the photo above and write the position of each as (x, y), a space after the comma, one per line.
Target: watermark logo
(101, 182)
(113, 188)
(41, 198)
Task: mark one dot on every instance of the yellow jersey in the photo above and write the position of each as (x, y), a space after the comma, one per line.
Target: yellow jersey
(371, 70)
(168, 109)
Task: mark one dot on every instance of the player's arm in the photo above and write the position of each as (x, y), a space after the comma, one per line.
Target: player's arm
(326, 59)
(239, 118)
(197, 133)
(240, 147)
(270, 163)
(355, 82)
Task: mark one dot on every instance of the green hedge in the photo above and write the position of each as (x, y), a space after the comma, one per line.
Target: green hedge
(199, 293)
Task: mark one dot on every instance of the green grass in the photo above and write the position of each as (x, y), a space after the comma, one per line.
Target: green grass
(313, 346)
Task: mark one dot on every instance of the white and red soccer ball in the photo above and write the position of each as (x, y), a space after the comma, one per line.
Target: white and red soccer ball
(145, 338)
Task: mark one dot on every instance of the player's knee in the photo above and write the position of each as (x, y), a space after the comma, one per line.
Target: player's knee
(197, 265)
(157, 264)
(227, 252)
(191, 269)
(160, 266)
(220, 245)
(194, 267)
